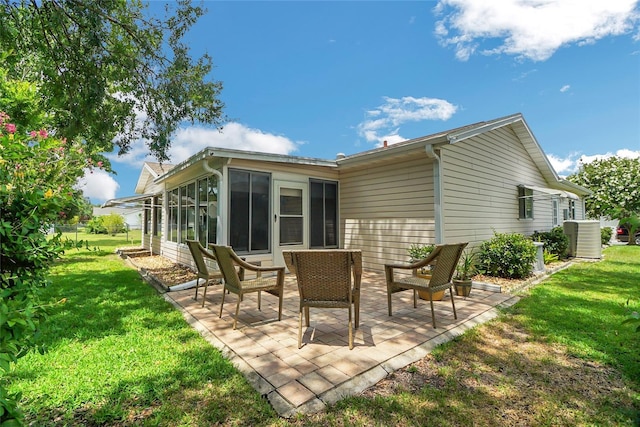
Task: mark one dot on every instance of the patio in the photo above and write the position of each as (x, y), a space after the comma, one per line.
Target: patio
(324, 370)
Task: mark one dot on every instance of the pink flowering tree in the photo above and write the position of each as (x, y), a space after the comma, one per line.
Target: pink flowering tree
(38, 171)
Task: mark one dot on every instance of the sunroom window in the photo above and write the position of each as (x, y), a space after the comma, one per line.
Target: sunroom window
(249, 223)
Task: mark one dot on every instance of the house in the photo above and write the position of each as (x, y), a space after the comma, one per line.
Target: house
(458, 185)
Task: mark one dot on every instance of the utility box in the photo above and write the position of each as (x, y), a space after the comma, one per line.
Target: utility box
(584, 239)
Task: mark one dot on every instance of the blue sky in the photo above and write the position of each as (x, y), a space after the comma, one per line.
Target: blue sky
(318, 78)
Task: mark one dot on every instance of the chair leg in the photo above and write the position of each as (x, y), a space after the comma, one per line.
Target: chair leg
(453, 304)
(222, 303)
(300, 329)
(204, 292)
(433, 315)
(280, 304)
(415, 299)
(306, 312)
(389, 301)
(357, 309)
(350, 330)
(259, 300)
(235, 319)
(197, 286)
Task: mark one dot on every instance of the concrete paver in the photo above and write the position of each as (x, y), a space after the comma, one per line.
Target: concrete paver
(324, 370)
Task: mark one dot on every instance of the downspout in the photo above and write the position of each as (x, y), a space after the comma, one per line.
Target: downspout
(437, 192)
(222, 202)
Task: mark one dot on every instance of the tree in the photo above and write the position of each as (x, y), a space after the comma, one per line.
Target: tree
(615, 183)
(109, 72)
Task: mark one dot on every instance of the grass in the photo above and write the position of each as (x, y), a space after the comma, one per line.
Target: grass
(119, 354)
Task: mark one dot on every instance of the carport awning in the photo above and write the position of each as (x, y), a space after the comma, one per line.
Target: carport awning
(552, 192)
(131, 200)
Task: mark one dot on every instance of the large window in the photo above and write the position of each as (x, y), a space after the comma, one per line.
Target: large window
(173, 205)
(525, 202)
(324, 214)
(188, 212)
(249, 224)
(193, 209)
(207, 210)
(157, 216)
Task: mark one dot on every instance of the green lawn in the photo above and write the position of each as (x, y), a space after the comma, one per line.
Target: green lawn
(119, 354)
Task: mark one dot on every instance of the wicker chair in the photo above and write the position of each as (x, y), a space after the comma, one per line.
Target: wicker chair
(234, 280)
(199, 253)
(324, 281)
(444, 259)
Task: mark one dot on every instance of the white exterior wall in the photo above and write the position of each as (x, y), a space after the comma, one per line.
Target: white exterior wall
(480, 178)
(386, 208)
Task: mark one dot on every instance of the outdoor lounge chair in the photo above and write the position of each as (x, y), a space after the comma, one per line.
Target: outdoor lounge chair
(444, 259)
(324, 281)
(234, 280)
(199, 253)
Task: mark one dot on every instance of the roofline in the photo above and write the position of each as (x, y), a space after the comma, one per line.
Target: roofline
(227, 153)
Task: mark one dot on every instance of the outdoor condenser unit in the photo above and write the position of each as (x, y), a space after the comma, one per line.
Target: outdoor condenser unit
(584, 238)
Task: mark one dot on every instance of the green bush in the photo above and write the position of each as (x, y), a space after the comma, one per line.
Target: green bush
(508, 255)
(96, 226)
(605, 235)
(555, 241)
(38, 173)
(114, 223)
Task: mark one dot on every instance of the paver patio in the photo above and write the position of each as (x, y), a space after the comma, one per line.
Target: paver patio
(324, 370)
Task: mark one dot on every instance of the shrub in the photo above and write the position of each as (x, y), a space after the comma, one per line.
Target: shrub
(419, 252)
(113, 223)
(555, 241)
(96, 226)
(38, 172)
(605, 235)
(508, 255)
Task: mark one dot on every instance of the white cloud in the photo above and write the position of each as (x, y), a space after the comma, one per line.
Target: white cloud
(565, 88)
(382, 123)
(188, 141)
(99, 185)
(571, 163)
(532, 29)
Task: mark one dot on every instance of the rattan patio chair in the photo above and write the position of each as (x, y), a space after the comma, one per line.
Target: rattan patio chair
(234, 280)
(199, 253)
(444, 259)
(325, 281)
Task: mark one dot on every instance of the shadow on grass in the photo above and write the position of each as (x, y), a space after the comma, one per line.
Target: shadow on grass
(120, 354)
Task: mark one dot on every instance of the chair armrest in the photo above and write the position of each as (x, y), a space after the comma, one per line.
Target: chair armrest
(401, 266)
(252, 267)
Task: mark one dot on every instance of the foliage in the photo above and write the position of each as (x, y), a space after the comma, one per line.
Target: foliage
(418, 252)
(113, 223)
(508, 255)
(96, 225)
(37, 173)
(555, 241)
(605, 235)
(466, 268)
(549, 257)
(615, 183)
(633, 319)
(110, 72)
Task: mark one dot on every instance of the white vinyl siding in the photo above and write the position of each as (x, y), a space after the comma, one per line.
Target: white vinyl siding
(385, 208)
(480, 178)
